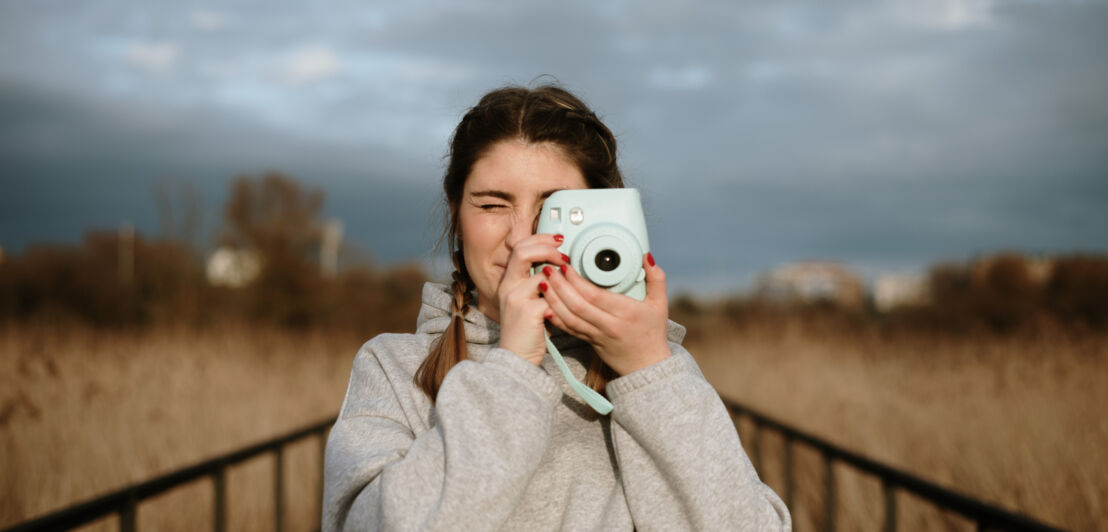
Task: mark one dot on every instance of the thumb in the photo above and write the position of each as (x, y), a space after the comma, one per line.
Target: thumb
(655, 281)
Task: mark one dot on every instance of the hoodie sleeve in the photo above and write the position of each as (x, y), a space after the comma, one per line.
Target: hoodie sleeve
(490, 427)
(679, 454)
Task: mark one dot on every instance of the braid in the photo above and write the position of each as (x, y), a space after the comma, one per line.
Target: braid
(450, 347)
(462, 287)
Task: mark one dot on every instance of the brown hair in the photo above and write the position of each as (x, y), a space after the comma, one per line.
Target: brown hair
(547, 114)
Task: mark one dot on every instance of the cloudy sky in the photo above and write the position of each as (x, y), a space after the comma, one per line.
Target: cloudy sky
(885, 135)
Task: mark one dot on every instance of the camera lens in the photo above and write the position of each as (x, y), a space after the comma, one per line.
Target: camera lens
(607, 260)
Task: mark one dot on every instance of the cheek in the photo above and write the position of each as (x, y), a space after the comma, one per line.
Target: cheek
(478, 236)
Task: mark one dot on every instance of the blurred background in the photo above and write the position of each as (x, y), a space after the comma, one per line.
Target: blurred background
(883, 222)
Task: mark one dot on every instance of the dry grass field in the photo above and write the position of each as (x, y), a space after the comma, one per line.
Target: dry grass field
(84, 412)
(1017, 422)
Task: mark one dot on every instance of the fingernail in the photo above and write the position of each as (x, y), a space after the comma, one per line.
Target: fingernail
(559, 238)
(548, 315)
(565, 258)
(563, 268)
(650, 258)
(542, 287)
(547, 271)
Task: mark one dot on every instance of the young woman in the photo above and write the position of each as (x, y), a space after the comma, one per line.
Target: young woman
(467, 425)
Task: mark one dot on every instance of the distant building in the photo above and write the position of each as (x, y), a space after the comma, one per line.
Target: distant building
(814, 281)
(898, 290)
(233, 268)
(329, 245)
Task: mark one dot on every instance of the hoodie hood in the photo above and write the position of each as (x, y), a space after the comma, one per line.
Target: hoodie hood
(435, 313)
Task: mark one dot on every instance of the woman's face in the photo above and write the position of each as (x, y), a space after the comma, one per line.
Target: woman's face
(500, 204)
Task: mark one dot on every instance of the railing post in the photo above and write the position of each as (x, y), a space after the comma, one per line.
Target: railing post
(278, 487)
(219, 500)
(828, 493)
(890, 505)
(789, 485)
(127, 515)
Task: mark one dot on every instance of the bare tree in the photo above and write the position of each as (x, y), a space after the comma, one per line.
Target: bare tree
(278, 220)
(272, 215)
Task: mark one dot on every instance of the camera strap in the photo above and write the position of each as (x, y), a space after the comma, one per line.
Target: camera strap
(594, 399)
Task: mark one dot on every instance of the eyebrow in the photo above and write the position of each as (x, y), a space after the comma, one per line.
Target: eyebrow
(506, 196)
(491, 193)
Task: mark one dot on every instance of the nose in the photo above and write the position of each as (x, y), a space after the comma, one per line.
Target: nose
(523, 226)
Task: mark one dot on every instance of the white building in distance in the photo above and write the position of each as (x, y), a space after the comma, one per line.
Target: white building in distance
(813, 281)
(234, 268)
(898, 290)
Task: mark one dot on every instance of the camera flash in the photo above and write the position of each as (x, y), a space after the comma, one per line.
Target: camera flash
(576, 215)
(555, 214)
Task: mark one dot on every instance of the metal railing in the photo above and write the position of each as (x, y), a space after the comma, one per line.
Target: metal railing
(986, 516)
(125, 501)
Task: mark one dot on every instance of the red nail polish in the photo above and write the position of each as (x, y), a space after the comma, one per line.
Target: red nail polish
(547, 271)
(559, 238)
(563, 268)
(565, 258)
(542, 287)
(548, 315)
(650, 258)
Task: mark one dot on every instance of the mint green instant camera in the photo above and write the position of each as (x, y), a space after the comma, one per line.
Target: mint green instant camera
(605, 235)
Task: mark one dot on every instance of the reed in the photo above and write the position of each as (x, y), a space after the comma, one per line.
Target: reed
(86, 411)
(1015, 421)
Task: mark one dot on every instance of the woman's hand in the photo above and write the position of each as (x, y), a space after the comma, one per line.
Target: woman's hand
(522, 310)
(628, 334)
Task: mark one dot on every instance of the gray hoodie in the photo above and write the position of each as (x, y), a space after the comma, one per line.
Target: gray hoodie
(508, 446)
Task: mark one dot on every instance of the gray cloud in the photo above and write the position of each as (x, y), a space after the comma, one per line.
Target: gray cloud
(70, 165)
(883, 134)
